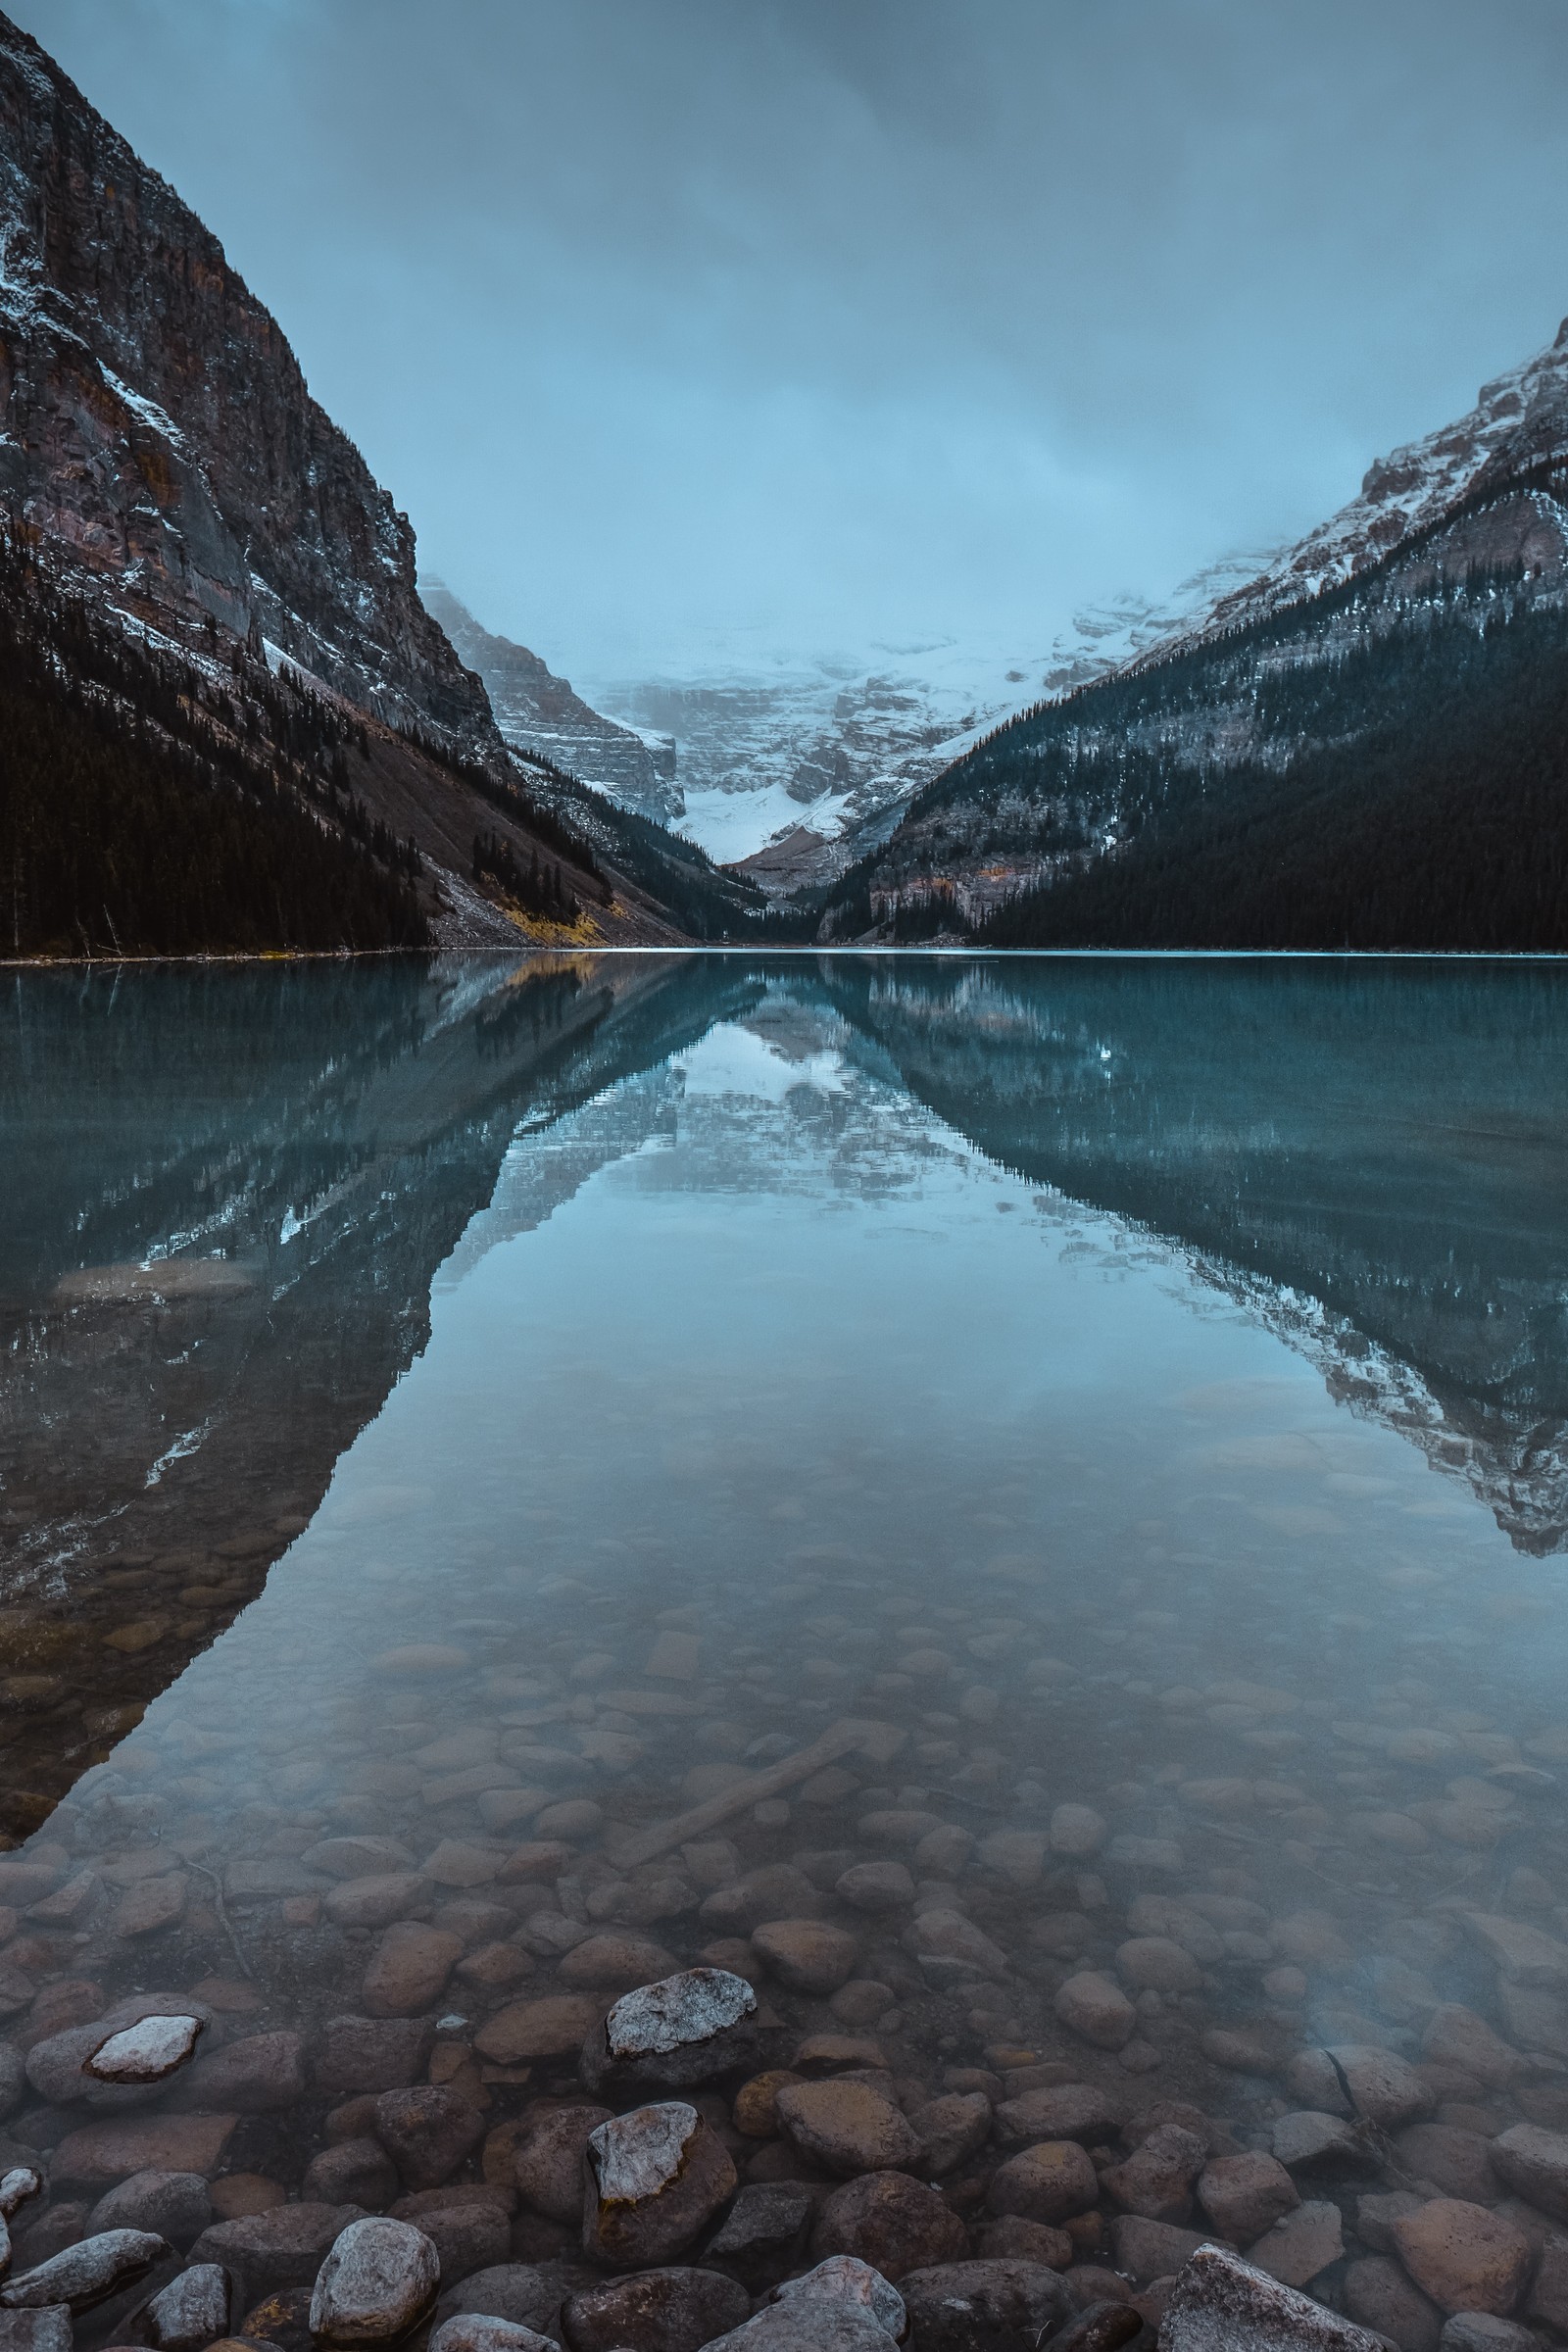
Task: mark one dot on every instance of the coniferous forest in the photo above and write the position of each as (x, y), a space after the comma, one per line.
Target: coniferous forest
(147, 807)
(1439, 819)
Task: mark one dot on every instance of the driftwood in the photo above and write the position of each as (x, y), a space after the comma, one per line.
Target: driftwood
(880, 1739)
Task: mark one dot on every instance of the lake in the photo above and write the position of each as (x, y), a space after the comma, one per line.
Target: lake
(1035, 1489)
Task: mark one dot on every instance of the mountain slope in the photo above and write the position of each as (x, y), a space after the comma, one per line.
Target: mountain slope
(210, 623)
(1368, 744)
(538, 712)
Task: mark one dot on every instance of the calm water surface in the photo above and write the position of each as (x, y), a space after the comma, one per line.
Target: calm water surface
(488, 1412)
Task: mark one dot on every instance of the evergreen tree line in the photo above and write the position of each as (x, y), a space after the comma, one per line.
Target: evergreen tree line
(537, 888)
(149, 808)
(523, 806)
(1437, 819)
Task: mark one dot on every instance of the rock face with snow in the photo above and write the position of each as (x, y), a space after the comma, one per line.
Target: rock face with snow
(540, 715)
(1316, 656)
(158, 433)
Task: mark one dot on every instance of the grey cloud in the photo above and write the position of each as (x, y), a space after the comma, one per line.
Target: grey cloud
(823, 323)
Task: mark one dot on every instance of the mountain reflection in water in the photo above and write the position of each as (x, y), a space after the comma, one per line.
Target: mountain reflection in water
(230, 1191)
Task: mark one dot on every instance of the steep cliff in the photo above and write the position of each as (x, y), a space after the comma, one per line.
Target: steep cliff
(538, 713)
(159, 433)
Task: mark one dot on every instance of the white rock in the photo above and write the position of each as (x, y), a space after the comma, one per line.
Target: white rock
(87, 2272)
(191, 2311)
(847, 2283)
(679, 2010)
(145, 2052)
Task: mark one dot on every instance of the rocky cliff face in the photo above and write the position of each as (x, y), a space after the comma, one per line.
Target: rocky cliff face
(159, 438)
(539, 715)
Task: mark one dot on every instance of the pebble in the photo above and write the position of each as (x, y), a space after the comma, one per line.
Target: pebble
(548, 2167)
(1464, 2257)
(470, 2333)
(145, 2052)
(1533, 2162)
(1380, 2295)
(191, 2311)
(282, 2246)
(1061, 2111)
(555, 2027)
(988, 2306)
(890, 2222)
(254, 2076)
(655, 2177)
(1095, 2006)
(1157, 2180)
(951, 2129)
(87, 2272)
(950, 1947)
(763, 2233)
(174, 2205)
(366, 2054)
(1244, 2196)
(427, 2131)
(670, 2309)
(806, 1954)
(1300, 2243)
(409, 1969)
(847, 2127)
(101, 2154)
(47, 2331)
(1049, 2183)
(842, 2283)
(377, 2282)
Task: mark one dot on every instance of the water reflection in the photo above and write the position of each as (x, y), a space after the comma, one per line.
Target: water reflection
(227, 1192)
(1108, 1419)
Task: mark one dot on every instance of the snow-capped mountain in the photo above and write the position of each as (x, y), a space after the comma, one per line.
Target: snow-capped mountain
(538, 713)
(1395, 671)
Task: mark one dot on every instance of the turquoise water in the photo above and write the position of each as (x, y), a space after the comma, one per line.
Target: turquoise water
(1139, 1387)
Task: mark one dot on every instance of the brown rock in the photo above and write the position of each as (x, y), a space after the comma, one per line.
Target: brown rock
(806, 1954)
(986, 2306)
(1157, 2180)
(1533, 2162)
(1245, 2195)
(104, 2153)
(1156, 1964)
(427, 2131)
(1044, 2184)
(615, 1962)
(376, 1902)
(891, 2222)
(1455, 2162)
(1011, 2238)
(353, 2172)
(1466, 2258)
(236, 2194)
(548, 2167)
(1302, 2243)
(1378, 2294)
(468, 2224)
(755, 2110)
(153, 1904)
(265, 2252)
(951, 2129)
(1065, 2111)
(409, 1969)
(1150, 2250)
(1455, 2036)
(674, 2310)
(655, 2180)
(254, 2076)
(847, 2127)
(370, 2053)
(762, 2236)
(1095, 2006)
(552, 2027)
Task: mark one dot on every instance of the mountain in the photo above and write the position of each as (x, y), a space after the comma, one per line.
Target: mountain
(230, 721)
(1363, 745)
(538, 713)
(786, 768)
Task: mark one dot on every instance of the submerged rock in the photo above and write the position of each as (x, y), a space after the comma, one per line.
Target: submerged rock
(671, 2310)
(191, 2311)
(379, 2280)
(655, 2177)
(147, 2051)
(683, 2030)
(1219, 2302)
(87, 2272)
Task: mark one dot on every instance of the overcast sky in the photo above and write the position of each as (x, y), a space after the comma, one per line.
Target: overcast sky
(683, 327)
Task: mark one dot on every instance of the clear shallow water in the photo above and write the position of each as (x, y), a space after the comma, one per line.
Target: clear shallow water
(1139, 1388)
